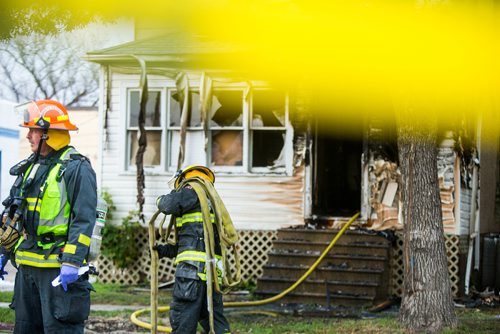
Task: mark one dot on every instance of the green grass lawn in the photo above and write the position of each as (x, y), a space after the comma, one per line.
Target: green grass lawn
(244, 320)
(114, 294)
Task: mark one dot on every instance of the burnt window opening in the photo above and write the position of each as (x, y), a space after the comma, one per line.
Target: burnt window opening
(227, 108)
(227, 148)
(268, 148)
(268, 108)
(226, 128)
(268, 121)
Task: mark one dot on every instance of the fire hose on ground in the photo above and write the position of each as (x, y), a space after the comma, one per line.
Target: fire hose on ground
(154, 282)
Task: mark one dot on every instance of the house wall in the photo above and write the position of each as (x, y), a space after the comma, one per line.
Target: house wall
(489, 166)
(446, 176)
(254, 201)
(455, 201)
(263, 202)
(9, 132)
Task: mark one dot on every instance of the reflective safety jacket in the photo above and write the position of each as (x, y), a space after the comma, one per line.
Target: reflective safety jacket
(191, 256)
(60, 210)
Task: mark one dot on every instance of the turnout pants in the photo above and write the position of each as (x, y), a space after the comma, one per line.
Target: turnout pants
(42, 308)
(189, 306)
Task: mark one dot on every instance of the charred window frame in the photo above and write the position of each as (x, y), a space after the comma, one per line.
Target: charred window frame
(268, 130)
(227, 130)
(194, 132)
(153, 125)
(248, 131)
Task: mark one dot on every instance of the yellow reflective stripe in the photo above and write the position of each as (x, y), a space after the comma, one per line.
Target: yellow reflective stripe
(191, 256)
(83, 239)
(35, 119)
(194, 256)
(32, 202)
(195, 217)
(37, 260)
(192, 215)
(47, 118)
(203, 277)
(70, 249)
(190, 219)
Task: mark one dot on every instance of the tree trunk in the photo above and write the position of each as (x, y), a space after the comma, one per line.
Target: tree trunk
(427, 303)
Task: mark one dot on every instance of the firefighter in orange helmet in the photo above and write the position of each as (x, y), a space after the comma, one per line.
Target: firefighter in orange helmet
(47, 224)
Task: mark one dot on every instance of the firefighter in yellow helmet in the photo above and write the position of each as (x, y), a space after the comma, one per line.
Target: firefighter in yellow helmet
(47, 224)
(189, 303)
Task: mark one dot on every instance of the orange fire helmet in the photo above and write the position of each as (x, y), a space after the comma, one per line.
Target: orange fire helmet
(45, 114)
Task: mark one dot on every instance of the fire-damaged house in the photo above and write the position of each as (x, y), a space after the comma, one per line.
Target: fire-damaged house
(288, 180)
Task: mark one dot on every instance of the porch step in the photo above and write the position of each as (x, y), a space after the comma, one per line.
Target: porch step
(353, 273)
(323, 272)
(322, 298)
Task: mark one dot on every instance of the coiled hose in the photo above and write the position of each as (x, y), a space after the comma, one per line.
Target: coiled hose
(154, 282)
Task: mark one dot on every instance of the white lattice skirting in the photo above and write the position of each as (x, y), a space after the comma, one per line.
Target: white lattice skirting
(452, 243)
(254, 246)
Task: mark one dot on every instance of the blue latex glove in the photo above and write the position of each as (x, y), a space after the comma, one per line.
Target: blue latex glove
(68, 275)
(3, 262)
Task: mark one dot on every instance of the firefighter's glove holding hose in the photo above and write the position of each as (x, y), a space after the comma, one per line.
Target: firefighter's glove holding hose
(167, 250)
(68, 275)
(3, 262)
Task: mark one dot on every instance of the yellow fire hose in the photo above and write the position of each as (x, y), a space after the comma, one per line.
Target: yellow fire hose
(154, 283)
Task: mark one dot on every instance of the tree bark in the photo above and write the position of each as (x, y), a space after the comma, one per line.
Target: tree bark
(427, 303)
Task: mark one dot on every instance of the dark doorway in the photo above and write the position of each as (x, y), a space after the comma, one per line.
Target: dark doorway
(336, 174)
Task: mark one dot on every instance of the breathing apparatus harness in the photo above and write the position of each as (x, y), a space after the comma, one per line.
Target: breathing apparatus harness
(14, 206)
(227, 234)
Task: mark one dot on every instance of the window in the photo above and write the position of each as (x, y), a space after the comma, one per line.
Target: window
(247, 131)
(268, 129)
(226, 128)
(195, 153)
(152, 125)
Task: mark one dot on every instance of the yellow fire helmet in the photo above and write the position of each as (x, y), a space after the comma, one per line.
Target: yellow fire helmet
(193, 171)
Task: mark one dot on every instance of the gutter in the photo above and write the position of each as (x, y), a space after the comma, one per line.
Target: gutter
(100, 58)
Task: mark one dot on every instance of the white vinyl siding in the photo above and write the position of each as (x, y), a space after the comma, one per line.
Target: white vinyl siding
(255, 201)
